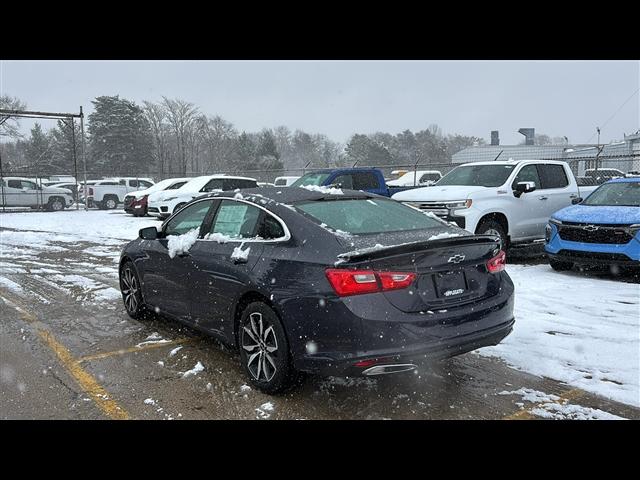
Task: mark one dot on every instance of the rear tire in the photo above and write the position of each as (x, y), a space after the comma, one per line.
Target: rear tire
(110, 203)
(264, 349)
(130, 287)
(55, 204)
(493, 227)
(559, 266)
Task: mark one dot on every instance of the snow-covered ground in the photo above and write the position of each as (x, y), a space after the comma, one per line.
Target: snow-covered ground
(575, 328)
(572, 327)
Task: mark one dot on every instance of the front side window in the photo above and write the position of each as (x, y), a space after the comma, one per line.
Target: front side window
(175, 186)
(134, 183)
(619, 194)
(478, 175)
(215, 184)
(367, 216)
(553, 176)
(344, 181)
(429, 177)
(145, 184)
(236, 220)
(281, 182)
(233, 183)
(188, 218)
(528, 173)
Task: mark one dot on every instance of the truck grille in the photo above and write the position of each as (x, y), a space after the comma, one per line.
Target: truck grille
(439, 209)
(589, 233)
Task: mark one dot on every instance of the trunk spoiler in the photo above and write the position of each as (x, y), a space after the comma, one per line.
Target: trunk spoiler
(377, 252)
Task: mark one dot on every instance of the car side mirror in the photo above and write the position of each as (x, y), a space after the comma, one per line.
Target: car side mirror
(524, 187)
(148, 233)
(576, 201)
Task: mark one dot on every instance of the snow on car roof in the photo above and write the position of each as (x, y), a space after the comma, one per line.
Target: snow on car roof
(290, 195)
(513, 162)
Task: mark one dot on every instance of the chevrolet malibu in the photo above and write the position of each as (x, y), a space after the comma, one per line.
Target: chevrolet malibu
(323, 281)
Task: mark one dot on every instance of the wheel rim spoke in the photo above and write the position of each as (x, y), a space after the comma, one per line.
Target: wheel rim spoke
(259, 340)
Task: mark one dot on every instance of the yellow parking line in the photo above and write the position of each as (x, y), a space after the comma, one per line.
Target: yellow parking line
(527, 415)
(89, 384)
(123, 351)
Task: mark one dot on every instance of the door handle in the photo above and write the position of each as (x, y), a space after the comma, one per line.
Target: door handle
(573, 195)
(239, 260)
(543, 198)
(184, 254)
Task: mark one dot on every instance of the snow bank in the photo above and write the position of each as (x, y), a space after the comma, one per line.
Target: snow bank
(182, 243)
(575, 328)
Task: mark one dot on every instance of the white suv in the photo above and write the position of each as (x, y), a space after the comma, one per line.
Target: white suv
(164, 204)
(108, 193)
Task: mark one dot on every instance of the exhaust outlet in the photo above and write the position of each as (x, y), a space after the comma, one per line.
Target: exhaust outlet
(387, 369)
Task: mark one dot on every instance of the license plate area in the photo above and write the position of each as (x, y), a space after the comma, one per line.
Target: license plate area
(451, 284)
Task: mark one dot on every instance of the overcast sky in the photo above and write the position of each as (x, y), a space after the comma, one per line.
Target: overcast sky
(340, 98)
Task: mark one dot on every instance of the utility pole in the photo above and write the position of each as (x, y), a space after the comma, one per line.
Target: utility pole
(84, 161)
(598, 150)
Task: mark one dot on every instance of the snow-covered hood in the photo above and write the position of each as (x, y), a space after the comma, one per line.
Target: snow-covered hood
(141, 193)
(435, 193)
(595, 214)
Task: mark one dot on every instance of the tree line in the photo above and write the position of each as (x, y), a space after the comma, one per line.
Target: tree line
(174, 137)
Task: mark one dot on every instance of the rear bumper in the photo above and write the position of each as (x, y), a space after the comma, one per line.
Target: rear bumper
(342, 338)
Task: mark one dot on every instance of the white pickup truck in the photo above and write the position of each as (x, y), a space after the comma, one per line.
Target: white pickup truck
(106, 194)
(24, 192)
(511, 199)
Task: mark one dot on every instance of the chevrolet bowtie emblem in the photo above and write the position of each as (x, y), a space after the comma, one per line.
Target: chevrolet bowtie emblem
(590, 228)
(456, 259)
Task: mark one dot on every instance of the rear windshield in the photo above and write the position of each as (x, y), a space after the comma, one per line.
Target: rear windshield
(311, 179)
(478, 175)
(620, 194)
(364, 216)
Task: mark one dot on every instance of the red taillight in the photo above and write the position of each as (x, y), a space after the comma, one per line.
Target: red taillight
(356, 282)
(497, 263)
(371, 361)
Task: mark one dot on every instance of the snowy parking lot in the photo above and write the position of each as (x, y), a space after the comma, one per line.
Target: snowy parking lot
(574, 351)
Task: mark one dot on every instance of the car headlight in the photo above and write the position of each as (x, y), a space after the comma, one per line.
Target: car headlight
(634, 229)
(554, 221)
(459, 204)
(547, 233)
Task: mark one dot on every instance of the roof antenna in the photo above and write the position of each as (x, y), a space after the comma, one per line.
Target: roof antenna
(498, 155)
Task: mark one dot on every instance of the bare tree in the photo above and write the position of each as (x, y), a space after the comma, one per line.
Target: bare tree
(219, 136)
(182, 115)
(156, 115)
(10, 127)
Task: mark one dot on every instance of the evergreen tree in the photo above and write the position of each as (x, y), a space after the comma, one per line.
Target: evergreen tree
(120, 139)
(38, 155)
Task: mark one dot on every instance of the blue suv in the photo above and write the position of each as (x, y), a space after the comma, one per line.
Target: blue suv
(603, 229)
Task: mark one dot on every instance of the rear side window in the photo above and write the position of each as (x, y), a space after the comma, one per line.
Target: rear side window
(344, 181)
(145, 184)
(270, 228)
(364, 216)
(175, 186)
(281, 182)
(552, 176)
(365, 181)
(133, 183)
(188, 218)
(236, 220)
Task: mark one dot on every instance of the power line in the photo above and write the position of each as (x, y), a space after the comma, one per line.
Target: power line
(611, 117)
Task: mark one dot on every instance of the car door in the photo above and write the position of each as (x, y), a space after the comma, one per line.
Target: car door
(223, 261)
(557, 190)
(168, 281)
(527, 211)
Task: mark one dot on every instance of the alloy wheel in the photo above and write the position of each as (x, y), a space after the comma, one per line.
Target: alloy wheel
(111, 204)
(130, 290)
(259, 340)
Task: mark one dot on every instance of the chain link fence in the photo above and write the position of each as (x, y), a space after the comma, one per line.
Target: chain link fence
(29, 188)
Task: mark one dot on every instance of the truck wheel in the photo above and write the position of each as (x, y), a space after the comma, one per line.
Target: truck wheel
(492, 227)
(55, 204)
(110, 203)
(559, 266)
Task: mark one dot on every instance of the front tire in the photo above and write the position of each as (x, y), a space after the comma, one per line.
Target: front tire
(492, 227)
(264, 349)
(130, 287)
(110, 203)
(559, 266)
